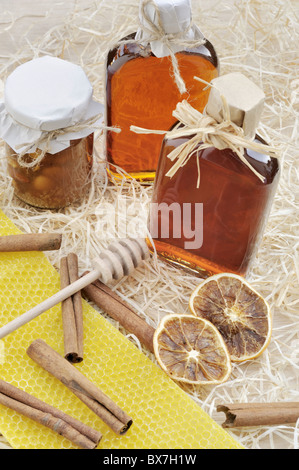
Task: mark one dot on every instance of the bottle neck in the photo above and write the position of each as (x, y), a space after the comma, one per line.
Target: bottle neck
(172, 17)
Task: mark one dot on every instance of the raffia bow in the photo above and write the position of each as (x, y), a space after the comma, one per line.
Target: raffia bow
(156, 32)
(47, 137)
(204, 132)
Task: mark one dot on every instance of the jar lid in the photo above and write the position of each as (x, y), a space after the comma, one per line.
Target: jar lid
(47, 93)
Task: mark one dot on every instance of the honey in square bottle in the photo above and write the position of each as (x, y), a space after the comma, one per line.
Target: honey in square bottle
(235, 203)
(141, 89)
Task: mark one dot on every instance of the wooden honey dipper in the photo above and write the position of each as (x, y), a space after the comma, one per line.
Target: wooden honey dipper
(120, 259)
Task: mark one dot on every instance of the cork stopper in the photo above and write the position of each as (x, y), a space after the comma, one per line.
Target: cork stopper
(245, 101)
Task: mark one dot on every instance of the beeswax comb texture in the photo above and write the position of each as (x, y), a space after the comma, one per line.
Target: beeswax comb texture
(164, 417)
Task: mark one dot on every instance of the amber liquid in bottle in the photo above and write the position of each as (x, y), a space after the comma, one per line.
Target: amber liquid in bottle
(141, 91)
(235, 205)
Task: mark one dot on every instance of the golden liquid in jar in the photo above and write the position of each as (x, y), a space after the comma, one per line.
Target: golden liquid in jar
(59, 180)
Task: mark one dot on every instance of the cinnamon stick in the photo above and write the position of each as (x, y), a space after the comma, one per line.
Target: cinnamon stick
(30, 242)
(67, 426)
(259, 414)
(84, 389)
(72, 260)
(71, 309)
(111, 303)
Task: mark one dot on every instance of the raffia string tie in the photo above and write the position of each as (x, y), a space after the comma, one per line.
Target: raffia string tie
(204, 132)
(156, 32)
(47, 137)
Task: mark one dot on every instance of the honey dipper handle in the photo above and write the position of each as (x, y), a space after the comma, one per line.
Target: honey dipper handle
(49, 303)
(119, 260)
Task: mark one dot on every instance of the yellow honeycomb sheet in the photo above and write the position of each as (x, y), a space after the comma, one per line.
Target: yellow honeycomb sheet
(164, 416)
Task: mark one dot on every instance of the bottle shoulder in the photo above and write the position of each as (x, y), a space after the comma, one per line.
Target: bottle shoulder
(266, 164)
(129, 49)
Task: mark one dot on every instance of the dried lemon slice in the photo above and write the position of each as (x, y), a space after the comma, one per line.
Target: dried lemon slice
(240, 314)
(190, 349)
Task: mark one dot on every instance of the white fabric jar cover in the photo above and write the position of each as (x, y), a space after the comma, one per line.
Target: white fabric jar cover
(44, 95)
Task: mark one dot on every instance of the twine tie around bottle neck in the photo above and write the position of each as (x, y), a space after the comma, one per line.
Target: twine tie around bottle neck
(204, 132)
(156, 32)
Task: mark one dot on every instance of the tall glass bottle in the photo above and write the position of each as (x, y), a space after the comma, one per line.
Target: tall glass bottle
(216, 226)
(141, 89)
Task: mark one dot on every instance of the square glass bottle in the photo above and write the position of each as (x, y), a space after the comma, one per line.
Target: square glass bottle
(140, 85)
(216, 226)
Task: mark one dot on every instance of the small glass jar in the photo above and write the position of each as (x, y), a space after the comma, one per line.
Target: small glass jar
(59, 180)
(47, 120)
